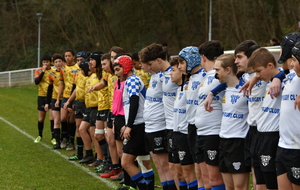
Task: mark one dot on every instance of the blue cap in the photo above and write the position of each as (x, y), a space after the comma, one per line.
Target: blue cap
(81, 54)
(192, 57)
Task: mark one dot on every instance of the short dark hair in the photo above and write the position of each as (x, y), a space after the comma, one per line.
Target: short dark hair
(152, 52)
(261, 57)
(58, 56)
(247, 46)
(175, 61)
(211, 49)
(69, 50)
(135, 56)
(105, 56)
(117, 50)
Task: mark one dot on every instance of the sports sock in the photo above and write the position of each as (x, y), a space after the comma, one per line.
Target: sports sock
(171, 185)
(79, 146)
(164, 185)
(40, 128)
(64, 129)
(140, 181)
(149, 177)
(57, 135)
(193, 185)
(201, 188)
(89, 152)
(116, 166)
(52, 128)
(219, 187)
(183, 185)
(72, 131)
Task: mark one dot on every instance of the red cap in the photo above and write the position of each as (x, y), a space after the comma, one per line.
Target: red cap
(125, 62)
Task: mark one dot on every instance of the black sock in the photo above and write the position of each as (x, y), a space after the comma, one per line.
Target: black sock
(127, 179)
(171, 185)
(116, 166)
(52, 128)
(64, 129)
(72, 131)
(140, 181)
(149, 177)
(57, 135)
(104, 147)
(79, 146)
(40, 128)
(89, 152)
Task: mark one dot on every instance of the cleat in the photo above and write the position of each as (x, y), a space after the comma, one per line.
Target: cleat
(53, 141)
(57, 146)
(63, 144)
(87, 159)
(38, 139)
(70, 146)
(102, 168)
(125, 187)
(122, 181)
(96, 163)
(114, 173)
(118, 177)
(75, 157)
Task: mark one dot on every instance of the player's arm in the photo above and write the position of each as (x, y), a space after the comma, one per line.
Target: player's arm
(133, 109)
(59, 93)
(208, 100)
(70, 100)
(98, 86)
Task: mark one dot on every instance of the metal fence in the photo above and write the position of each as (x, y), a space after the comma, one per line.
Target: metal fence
(17, 78)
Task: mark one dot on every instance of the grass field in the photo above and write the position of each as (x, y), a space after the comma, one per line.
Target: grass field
(26, 165)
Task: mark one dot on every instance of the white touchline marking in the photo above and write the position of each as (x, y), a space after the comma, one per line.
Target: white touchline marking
(108, 183)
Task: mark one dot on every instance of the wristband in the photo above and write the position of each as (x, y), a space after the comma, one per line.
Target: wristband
(99, 131)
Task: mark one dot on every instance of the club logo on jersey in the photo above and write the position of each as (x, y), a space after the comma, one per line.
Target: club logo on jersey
(181, 155)
(296, 172)
(170, 143)
(195, 84)
(167, 80)
(234, 98)
(291, 76)
(158, 141)
(265, 159)
(236, 165)
(154, 83)
(211, 154)
(258, 84)
(224, 100)
(210, 80)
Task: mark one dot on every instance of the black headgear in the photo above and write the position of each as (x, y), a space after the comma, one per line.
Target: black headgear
(84, 65)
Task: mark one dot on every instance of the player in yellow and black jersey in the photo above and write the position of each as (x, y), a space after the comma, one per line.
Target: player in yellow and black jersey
(41, 79)
(66, 88)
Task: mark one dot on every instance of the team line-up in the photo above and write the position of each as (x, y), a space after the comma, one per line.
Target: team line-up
(206, 119)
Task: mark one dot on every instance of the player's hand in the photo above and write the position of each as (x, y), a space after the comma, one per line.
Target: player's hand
(66, 105)
(275, 88)
(46, 108)
(57, 104)
(126, 134)
(247, 87)
(91, 89)
(208, 101)
(297, 103)
(44, 67)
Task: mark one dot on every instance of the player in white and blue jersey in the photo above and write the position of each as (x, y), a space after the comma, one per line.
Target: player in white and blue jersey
(234, 126)
(209, 123)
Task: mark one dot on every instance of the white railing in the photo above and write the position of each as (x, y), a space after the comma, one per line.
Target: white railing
(17, 77)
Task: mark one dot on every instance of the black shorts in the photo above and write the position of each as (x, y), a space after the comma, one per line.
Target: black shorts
(248, 146)
(90, 116)
(136, 144)
(41, 102)
(168, 139)
(180, 143)
(192, 138)
(232, 159)
(102, 115)
(119, 122)
(265, 147)
(155, 142)
(110, 120)
(63, 101)
(79, 109)
(288, 161)
(208, 149)
(53, 105)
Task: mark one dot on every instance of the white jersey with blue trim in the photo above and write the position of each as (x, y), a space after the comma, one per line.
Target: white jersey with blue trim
(153, 110)
(269, 113)
(169, 94)
(209, 123)
(192, 98)
(180, 123)
(235, 113)
(134, 86)
(289, 128)
(255, 99)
